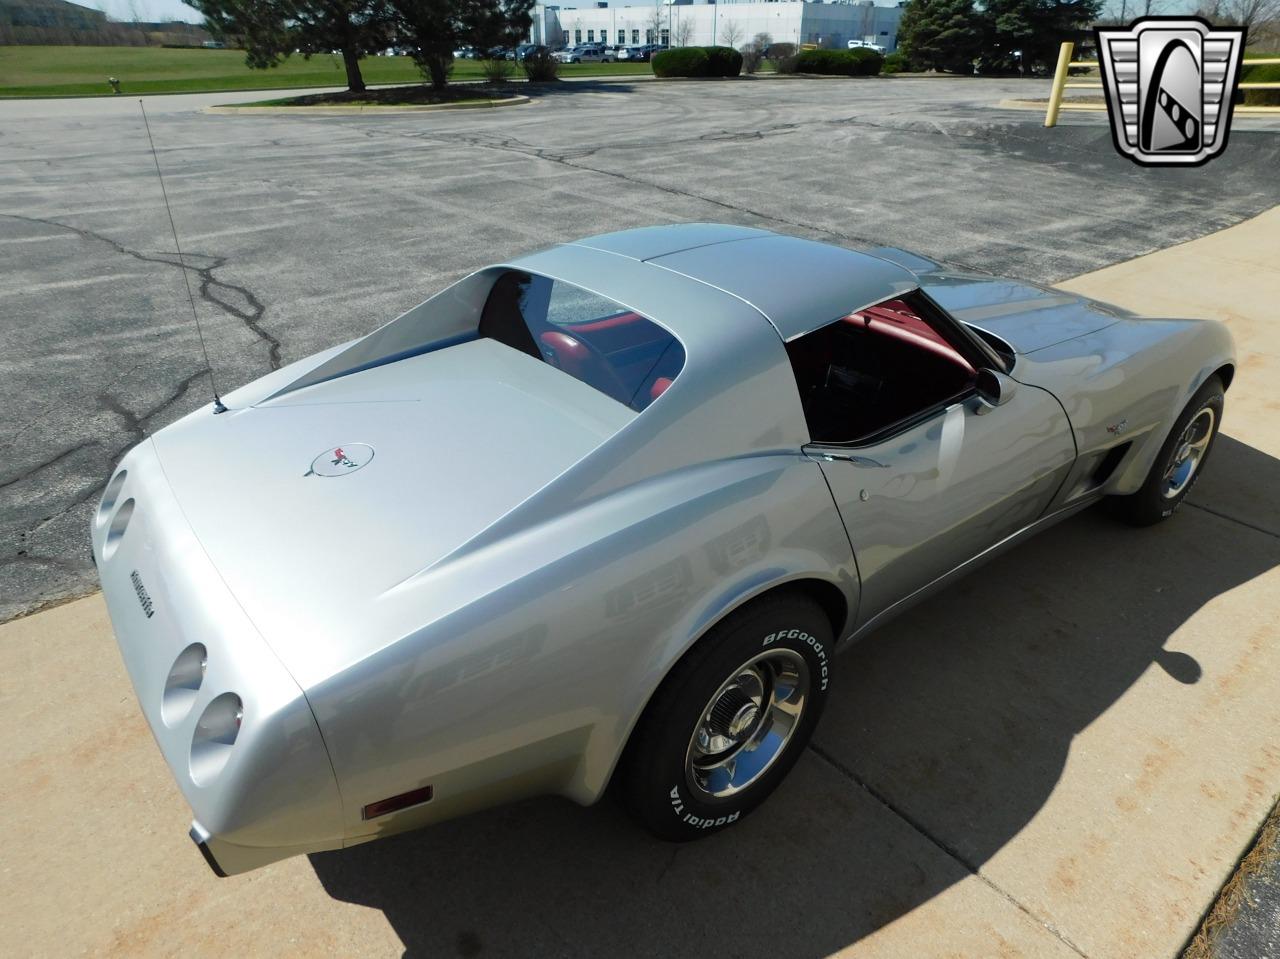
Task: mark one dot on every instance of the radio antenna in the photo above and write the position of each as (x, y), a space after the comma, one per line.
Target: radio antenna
(182, 263)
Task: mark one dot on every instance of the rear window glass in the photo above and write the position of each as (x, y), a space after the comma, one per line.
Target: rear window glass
(588, 336)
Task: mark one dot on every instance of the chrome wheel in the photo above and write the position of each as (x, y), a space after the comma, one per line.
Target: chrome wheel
(747, 724)
(1188, 453)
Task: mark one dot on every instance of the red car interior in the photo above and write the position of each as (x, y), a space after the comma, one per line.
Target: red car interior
(872, 369)
(620, 353)
(608, 323)
(659, 386)
(566, 352)
(896, 319)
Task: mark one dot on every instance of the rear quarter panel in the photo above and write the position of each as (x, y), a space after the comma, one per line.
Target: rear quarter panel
(560, 634)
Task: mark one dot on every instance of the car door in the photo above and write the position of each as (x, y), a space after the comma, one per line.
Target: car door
(932, 451)
(921, 502)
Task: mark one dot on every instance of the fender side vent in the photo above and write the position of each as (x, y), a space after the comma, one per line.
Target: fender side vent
(1107, 465)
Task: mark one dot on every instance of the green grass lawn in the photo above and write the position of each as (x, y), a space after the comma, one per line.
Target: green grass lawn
(82, 71)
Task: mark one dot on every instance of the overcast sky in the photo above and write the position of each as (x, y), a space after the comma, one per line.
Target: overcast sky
(149, 10)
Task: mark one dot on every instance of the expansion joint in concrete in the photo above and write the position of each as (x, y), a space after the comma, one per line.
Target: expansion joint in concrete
(942, 845)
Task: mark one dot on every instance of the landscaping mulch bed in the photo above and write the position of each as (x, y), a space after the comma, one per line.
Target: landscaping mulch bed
(419, 94)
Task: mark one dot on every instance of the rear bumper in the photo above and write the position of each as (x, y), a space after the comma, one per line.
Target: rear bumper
(201, 837)
(230, 859)
(262, 787)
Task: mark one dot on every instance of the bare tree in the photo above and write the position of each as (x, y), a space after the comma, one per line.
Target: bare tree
(1251, 14)
(138, 13)
(1117, 13)
(730, 34)
(683, 32)
(655, 21)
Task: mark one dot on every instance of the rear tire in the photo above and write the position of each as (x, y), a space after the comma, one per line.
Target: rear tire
(730, 720)
(1181, 460)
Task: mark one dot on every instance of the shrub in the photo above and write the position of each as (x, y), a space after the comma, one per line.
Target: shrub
(823, 61)
(680, 62)
(541, 66)
(698, 62)
(896, 63)
(869, 63)
(723, 62)
(844, 63)
(786, 64)
(498, 71)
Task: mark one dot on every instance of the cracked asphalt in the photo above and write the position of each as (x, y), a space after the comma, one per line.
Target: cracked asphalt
(301, 232)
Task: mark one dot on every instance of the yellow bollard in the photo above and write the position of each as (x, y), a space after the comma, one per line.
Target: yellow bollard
(1059, 82)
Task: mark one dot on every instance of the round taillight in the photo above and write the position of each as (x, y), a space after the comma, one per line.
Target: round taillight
(115, 532)
(110, 495)
(183, 683)
(216, 732)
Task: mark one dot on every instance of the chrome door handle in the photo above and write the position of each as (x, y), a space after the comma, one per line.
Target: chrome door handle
(863, 462)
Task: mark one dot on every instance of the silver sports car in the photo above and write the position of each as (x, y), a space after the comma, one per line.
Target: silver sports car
(602, 516)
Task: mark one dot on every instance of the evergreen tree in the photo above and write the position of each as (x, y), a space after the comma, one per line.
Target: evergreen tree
(941, 34)
(1036, 27)
(951, 34)
(433, 29)
(271, 30)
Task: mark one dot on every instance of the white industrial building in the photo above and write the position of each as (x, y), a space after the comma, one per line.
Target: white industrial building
(724, 23)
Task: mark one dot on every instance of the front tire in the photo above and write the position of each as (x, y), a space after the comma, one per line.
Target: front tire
(1181, 460)
(730, 720)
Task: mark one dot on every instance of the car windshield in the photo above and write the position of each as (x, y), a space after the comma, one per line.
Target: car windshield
(590, 337)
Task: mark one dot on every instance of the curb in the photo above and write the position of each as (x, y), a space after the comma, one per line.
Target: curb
(339, 111)
(1042, 106)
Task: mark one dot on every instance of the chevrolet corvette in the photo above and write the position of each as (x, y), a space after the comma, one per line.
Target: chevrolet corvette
(600, 517)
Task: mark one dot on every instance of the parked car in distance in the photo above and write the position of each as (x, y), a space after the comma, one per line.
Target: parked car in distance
(529, 49)
(585, 53)
(645, 52)
(465, 53)
(866, 45)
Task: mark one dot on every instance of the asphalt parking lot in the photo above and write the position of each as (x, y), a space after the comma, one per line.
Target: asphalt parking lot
(304, 232)
(1064, 755)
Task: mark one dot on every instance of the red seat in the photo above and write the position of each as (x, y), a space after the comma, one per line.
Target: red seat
(567, 352)
(608, 323)
(659, 387)
(897, 320)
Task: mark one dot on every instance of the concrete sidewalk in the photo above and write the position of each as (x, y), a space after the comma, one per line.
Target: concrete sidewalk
(1064, 755)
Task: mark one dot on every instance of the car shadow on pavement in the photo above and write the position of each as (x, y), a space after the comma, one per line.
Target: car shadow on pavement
(947, 733)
